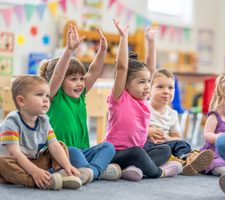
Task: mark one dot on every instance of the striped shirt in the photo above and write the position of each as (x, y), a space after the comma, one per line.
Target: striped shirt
(13, 130)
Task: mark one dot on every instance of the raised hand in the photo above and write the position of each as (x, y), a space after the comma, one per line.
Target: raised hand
(151, 33)
(103, 41)
(122, 32)
(73, 38)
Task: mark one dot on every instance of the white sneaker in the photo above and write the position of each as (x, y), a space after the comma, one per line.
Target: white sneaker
(112, 172)
(172, 168)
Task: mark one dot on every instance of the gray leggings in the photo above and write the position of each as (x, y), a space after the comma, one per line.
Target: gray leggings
(148, 161)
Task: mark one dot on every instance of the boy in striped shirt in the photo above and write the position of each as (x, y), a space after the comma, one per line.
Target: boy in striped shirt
(23, 135)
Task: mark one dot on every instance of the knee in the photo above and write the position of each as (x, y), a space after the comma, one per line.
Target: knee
(166, 150)
(109, 146)
(137, 152)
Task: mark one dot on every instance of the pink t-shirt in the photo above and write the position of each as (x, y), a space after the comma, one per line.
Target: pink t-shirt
(128, 121)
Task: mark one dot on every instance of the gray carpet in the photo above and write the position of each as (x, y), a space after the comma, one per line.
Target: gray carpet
(174, 188)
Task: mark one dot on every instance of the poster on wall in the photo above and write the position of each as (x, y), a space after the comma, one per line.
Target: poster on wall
(205, 47)
(6, 65)
(6, 42)
(92, 13)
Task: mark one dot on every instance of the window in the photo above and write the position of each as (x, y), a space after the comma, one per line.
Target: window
(178, 12)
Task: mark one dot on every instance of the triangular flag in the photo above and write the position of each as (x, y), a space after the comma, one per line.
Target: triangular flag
(179, 34)
(19, 10)
(139, 21)
(111, 2)
(29, 10)
(147, 22)
(129, 14)
(53, 8)
(63, 4)
(41, 10)
(163, 31)
(120, 8)
(75, 3)
(187, 34)
(7, 13)
(172, 33)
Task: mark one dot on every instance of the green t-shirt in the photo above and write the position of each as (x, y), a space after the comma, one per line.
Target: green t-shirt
(68, 117)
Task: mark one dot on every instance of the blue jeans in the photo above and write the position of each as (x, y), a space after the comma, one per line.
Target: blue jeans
(220, 145)
(97, 157)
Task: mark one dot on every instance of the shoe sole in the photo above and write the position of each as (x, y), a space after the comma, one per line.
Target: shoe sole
(57, 179)
(202, 162)
(119, 170)
(222, 183)
(71, 182)
(85, 180)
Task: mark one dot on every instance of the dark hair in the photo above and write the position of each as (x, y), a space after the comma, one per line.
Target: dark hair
(46, 68)
(23, 84)
(134, 65)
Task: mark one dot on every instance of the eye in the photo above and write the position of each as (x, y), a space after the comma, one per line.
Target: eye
(160, 86)
(171, 88)
(82, 78)
(48, 96)
(141, 82)
(149, 80)
(73, 79)
(39, 94)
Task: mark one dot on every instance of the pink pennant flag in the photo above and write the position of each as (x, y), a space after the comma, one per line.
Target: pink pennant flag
(120, 8)
(172, 33)
(163, 31)
(63, 5)
(7, 13)
(75, 3)
(111, 2)
(179, 34)
(129, 14)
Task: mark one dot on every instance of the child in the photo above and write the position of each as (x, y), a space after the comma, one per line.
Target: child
(25, 133)
(164, 126)
(129, 116)
(69, 83)
(215, 126)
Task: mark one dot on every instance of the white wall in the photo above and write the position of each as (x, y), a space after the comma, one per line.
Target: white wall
(208, 14)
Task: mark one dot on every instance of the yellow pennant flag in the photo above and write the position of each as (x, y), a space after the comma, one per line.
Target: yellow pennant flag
(53, 7)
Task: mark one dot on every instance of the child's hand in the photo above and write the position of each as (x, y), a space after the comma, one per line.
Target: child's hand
(73, 38)
(122, 32)
(151, 33)
(72, 171)
(103, 41)
(156, 135)
(41, 178)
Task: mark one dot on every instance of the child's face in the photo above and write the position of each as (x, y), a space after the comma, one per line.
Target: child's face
(36, 101)
(73, 85)
(139, 86)
(162, 90)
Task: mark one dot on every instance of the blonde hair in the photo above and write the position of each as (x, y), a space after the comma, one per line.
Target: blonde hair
(23, 84)
(160, 72)
(46, 68)
(219, 93)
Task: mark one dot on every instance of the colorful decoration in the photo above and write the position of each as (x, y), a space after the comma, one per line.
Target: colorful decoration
(46, 40)
(63, 4)
(6, 64)
(41, 10)
(7, 13)
(33, 30)
(19, 10)
(53, 7)
(20, 39)
(6, 42)
(29, 8)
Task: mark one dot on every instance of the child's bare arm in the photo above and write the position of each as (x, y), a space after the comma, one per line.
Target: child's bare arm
(60, 156)
(121, 61)
(209, 129)
(150, 60)
(41, 177)
(96, 67)
(62, 65)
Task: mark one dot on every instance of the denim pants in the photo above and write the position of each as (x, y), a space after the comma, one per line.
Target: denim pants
(179, 148)
(97, 157)
(220, 145)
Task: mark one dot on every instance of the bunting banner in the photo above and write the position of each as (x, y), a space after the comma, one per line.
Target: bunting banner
(111, 2)
(186, 32)
(120, 8)
(130, 13)
(19, 10)
(74, 3)
(41, 10)
(7, 13)
(63, 5)
(29, 9)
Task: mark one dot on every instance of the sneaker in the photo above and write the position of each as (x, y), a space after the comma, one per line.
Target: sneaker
(132, 173)
(56, 182)
(69, 182)
(112, 172)
(197, 162)
(86, 175)
(222, 182)
(171, 168)
(173, 158)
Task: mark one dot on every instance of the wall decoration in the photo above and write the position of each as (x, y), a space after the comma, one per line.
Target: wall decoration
(6, 64)
(20, 39)
(6, 42)
(46, 40)
(33, 30)
(92, 13)
(205, 47)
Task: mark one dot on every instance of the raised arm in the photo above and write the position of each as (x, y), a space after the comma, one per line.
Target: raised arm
(62, 65)
(121, 61)
(96, 67)
(150, 60)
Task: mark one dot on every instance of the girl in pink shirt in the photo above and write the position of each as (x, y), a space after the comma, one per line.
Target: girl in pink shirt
(129, 114)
